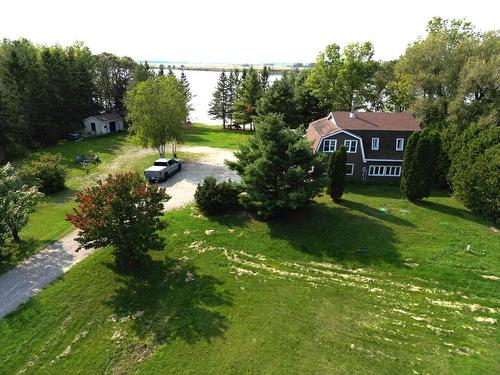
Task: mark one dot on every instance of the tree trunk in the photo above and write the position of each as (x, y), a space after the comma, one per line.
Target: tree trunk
(174, 148)
(15, 235)
(223, 122)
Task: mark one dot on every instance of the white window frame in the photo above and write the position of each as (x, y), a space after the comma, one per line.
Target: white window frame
(402, 144)
(329, 142)
(384, 170)
(349, 148)
(377, 140)
(352, 170)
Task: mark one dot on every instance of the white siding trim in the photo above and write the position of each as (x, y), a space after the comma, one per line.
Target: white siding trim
(392, 160)
(378, 143)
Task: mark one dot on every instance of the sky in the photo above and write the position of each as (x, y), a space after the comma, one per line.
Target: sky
(225, 31)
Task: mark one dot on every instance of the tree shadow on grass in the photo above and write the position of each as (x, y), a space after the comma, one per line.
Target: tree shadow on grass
(172, 301)
(370, 211)
(237, 218)
(336, 233)
(461, 213)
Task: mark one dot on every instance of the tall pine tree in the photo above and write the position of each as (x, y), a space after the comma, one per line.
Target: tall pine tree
(220, 106)
(244, 108)
(186, 89)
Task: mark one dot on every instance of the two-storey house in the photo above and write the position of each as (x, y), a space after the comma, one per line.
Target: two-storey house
(375, 141)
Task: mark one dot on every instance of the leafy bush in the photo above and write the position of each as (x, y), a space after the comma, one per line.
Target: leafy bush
(47, 172)
(213, 197)
(278, 168)
(121, 211)
(17, 202)
(336, 173)
(475, 172)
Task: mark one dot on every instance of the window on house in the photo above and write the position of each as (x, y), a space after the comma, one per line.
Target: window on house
(400, 144)
(329, 145)
(349, 169)
(351, 145)
(92, 126)
(384, 170)
(375, 143)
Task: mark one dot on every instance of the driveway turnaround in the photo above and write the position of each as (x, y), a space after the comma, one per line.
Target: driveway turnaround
(33, 274)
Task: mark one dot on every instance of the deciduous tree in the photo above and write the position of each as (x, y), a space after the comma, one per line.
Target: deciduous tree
(17, 200)
(343, 80)
(123, 212)
(157, 110)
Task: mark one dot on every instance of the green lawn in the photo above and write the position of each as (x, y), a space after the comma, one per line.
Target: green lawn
(373, 285)
(117, 153)
(215, 136)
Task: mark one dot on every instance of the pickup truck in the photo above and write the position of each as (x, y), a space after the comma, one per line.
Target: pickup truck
(162, 169)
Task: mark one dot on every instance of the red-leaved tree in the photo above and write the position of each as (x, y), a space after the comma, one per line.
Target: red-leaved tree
(123, 212)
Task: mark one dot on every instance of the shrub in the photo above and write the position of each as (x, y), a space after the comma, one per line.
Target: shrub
(123, 212)
(336, 173)
(278, 168)
(47, 172)
(419, 165)
(213, 197)
(17, 202)
(475, 172)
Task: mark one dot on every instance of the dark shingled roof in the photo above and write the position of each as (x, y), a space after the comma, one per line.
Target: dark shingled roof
(395, 121)
(389, 121)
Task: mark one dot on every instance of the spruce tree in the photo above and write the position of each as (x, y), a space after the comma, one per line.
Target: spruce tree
(186, 89)
(233, 86)
(278, 169)
(220, 106)
(244, 108)
(264, 78)
(336, 173)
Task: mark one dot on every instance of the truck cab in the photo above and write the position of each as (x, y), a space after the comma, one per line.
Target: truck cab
(162, 169)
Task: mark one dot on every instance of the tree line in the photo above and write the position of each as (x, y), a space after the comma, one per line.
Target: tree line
(46, 91)
(449, 80)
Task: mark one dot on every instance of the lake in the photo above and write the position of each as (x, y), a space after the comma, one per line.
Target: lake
(203, 84)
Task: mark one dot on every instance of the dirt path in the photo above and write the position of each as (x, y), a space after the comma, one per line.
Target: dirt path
(32, 275)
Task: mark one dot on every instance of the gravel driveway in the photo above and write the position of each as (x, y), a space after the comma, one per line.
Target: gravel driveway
(33, 274)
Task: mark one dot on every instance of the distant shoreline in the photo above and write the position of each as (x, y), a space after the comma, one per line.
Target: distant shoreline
(273, 69)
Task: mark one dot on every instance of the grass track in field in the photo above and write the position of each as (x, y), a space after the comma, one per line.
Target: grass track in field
(292, 295)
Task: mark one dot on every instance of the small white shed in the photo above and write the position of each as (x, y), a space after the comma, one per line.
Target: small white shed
(103, 124)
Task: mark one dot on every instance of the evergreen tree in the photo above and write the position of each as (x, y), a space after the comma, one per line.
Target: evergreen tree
(233, 86)
(278, 98)
(161, 67)
(220, 106)
(186, 89)
(278, 168)
(250, 91)
(290, 96)
(264, 78)
(419, 165)
(336, 173)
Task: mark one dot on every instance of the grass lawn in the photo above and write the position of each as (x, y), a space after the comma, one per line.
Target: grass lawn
(117, 153)
(373, 285)
(215, 136)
